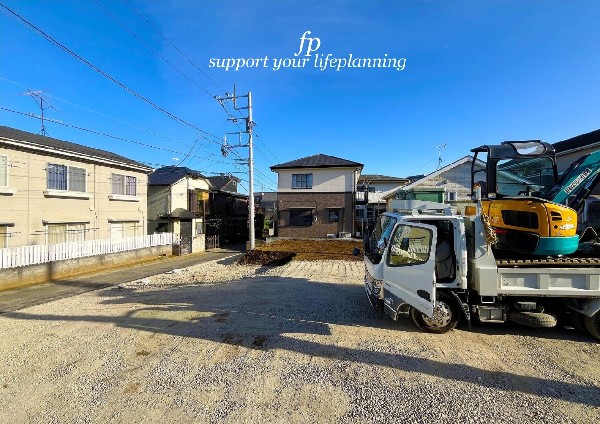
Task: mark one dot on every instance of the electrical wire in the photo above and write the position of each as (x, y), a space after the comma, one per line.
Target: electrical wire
(148, 47)
(11, 13)
(172, 44)
(55, 121)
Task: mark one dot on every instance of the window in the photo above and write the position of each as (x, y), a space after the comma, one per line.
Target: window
(76, 179)
(66, 178)
(124, 185)
(451, 196)
(529, 176)
(301, 217)
(301, 180)
(65, 233)
(3, 171)
(409, 246)
(334, 215)
(123, 229)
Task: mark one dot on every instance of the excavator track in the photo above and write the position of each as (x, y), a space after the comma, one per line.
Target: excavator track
(549, 262)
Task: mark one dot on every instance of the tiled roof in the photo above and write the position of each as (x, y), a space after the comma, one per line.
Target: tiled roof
(580, 141)
(64, 146)
(318, 161)
(168, 175)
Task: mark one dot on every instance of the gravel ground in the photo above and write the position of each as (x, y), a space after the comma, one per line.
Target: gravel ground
(221, 342)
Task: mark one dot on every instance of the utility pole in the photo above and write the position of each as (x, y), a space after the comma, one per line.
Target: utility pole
(225, 148)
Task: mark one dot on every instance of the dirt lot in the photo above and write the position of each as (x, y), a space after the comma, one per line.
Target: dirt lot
(298, 343)
(311, 250)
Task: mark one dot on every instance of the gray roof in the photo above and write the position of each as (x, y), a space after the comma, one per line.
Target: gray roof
(65, 146)
(376, 177)
(168, 175)
(318, 161)
(220, 181)
(578, 142)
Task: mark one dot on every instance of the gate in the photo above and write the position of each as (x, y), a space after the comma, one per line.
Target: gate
(212, 242)
(185, 245)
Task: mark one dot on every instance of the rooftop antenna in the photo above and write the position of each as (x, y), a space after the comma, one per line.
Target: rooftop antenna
(439, 149)
(38, 97)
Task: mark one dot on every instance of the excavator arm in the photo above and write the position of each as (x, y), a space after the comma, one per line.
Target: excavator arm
(577, 182)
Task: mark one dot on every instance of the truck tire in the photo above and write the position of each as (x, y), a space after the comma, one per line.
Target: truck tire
(445, 315)
(533, 319)
(592, 324)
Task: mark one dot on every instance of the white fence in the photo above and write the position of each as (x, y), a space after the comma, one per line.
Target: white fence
(13, 257)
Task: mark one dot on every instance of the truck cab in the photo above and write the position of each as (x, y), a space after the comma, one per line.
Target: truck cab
(410, 261)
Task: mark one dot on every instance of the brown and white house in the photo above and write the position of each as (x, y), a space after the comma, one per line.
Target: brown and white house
(54, 191)
(316, 196)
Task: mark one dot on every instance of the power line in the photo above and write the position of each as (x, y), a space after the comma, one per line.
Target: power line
(97, 112)
(187, 58)
(147, 46)
(172, 44)
(25, 22)
(55, 121)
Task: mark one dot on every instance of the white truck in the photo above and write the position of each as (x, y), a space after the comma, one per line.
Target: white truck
(400, 277)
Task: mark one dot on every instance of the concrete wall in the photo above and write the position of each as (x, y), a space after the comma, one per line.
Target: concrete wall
(28, 205)
(325, 180)
(36, 274)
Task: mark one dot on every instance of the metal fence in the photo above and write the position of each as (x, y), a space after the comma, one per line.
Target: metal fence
(212, 242)
(13, 257)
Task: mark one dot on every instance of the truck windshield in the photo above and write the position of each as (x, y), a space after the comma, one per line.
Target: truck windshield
(383, 230)
(530, 176)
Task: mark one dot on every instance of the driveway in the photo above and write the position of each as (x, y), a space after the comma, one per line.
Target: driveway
(300, 343)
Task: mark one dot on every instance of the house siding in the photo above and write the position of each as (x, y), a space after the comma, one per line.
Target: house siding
(29, 205)
(328, 180)
(320, 203)
(164, 199)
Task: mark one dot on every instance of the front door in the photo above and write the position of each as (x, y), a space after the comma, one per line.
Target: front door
(185, 234)
(409, 271)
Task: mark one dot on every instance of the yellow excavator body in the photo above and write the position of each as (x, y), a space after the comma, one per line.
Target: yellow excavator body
(532, 225)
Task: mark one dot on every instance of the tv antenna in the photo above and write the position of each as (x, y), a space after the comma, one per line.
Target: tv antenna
(38, 97)
(439, 149)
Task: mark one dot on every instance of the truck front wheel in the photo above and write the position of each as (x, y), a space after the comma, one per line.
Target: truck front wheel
(592, 324)
(445, 315)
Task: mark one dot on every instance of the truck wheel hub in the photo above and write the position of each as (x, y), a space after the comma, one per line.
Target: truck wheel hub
(442, 315)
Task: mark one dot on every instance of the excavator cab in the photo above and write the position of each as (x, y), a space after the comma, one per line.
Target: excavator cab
(519, 175)
(515, 168)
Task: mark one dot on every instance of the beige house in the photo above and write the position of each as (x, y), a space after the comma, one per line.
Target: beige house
(316, 196)
(53, 191)
(177, 203)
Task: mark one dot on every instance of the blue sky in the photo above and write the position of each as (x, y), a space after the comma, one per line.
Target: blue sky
(476, 72)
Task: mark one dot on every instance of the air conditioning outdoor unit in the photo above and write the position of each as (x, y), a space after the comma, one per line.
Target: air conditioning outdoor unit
(344, 235)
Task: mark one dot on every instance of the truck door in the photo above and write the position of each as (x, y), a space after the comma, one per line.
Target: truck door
(409, 271)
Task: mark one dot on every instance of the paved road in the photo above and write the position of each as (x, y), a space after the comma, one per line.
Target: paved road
(14, 300)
